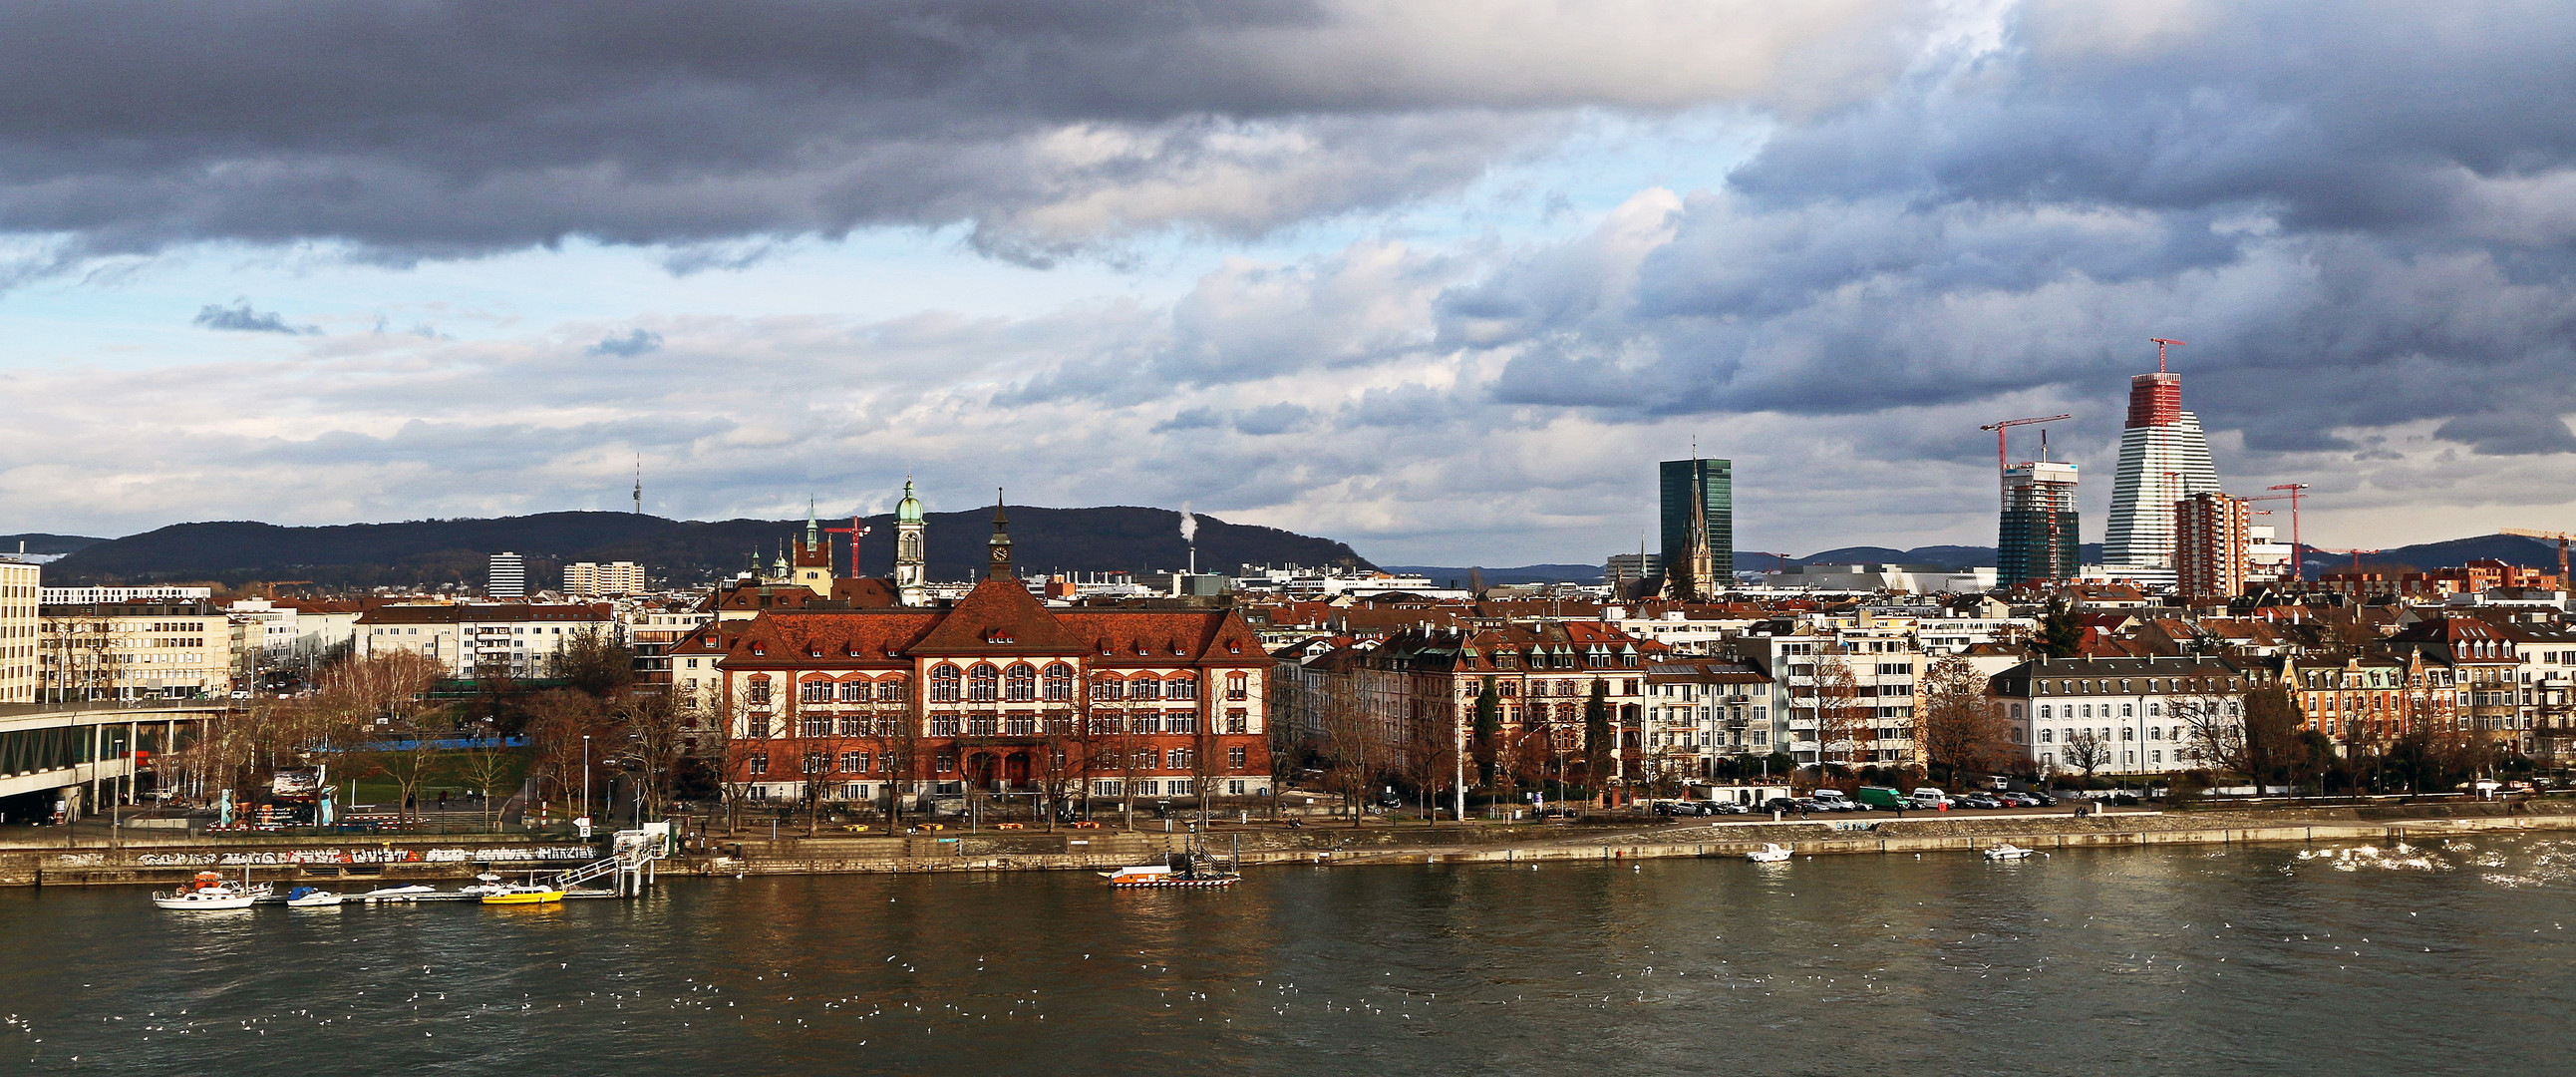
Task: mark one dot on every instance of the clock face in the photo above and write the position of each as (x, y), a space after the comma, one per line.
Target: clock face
(1001, 553)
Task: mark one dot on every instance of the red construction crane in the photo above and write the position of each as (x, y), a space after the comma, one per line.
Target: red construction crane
(856, 532)
(2562, 538)
(2001, 461)
(2161, 344)
(2298, 555)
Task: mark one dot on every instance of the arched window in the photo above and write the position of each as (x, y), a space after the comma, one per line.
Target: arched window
(1238, 686)
(1059, 682)
(943, 684)
(911, 546)
(2128, 710)
(2043, 712)
(1020, 685)
(1145, 689)
(2044, 737)
(1181, 688)
(980, 683)
(2127, 733)
(890, 691)
(758, 695)
(2016, 712)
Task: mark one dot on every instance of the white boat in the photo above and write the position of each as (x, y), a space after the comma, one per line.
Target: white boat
(209, 891)
(486, 885)
(2008, 851)
(396, 893)
(1771, 853)
(305, 897)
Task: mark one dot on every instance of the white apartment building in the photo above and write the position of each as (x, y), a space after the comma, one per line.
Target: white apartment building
(137, 650)
(21, 593)
(1808, 665)
(594, 579)
(509, 638)
(2123, 715)
(1699, 712)
(1685, 631)
(88, 596)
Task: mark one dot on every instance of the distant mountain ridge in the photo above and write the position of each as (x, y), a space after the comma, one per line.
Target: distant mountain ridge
(432, 552)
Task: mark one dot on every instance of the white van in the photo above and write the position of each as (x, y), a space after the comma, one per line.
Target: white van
(1930, 799)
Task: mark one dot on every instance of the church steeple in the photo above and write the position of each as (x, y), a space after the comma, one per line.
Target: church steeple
(1000, 543)
(911, 568)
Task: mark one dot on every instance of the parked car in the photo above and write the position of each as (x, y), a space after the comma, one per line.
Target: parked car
(2041, 800)
(1780, 804)
(1729, 807)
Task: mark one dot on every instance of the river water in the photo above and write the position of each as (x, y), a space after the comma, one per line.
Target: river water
(2443, 958)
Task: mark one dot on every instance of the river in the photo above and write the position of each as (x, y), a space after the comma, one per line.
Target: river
(2266, 959)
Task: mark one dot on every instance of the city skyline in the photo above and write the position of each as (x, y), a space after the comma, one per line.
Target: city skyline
(1303, 276)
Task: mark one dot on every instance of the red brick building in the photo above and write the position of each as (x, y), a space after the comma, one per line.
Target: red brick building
(996, 694)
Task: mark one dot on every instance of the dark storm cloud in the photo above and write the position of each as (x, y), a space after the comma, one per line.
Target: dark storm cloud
(435, 129)
(239, 318)
(2360, 215)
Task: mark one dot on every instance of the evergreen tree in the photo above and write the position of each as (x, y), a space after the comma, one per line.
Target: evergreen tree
(2061, 633)
(1598, 741)
(1489, 731)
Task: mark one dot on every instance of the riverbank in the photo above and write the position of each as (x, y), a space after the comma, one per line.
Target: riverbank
(1339, 846)
(289, 858)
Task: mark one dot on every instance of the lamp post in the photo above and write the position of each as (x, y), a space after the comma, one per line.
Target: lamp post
(585, 776)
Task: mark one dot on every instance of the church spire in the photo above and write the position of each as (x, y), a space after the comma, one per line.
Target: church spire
(1000, 544)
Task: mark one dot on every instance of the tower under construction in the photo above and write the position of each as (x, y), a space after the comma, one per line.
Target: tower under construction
(2038, 539)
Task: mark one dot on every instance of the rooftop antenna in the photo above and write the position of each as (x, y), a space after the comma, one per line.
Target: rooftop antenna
(2161, 344)
(639, 484)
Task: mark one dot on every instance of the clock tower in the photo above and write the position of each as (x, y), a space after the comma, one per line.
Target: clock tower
(998, 565)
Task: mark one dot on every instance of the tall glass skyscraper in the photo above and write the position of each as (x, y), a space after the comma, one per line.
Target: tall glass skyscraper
(2038, 538)
(2164, 458)
(1709, 484)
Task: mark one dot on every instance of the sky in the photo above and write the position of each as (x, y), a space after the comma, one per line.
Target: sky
(1439, 279)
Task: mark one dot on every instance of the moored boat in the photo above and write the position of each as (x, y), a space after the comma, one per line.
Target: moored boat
(1769, 853)
(396, 893)
(209, 891)
(2008, 851)
(524, 895)
(306, 897)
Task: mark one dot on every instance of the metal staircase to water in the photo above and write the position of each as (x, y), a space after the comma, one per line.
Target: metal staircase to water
(631, 859)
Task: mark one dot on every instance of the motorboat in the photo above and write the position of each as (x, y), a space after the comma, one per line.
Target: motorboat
(485, 885)
(1164, 875)
(209, 891)
(524, 895)
(2008, 851)
(306, 897)
(396, 893)
(1769, 853)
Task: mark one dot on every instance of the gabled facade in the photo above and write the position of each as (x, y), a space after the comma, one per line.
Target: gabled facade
(996, 694)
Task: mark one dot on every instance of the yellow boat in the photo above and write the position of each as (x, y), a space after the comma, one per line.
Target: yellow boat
(526, 896)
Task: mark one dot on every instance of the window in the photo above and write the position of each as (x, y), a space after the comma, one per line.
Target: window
(854, 762)
(1059, 682)
(943, 725)
(759, 693)
(1108, 689)
(2044, 737)
(1178, 759)
(980, 684)
(854, 727)
(1238, 686)
(1145, 690)
(814, 692)
(2127, 733)
(890, 692)
(1235, 759)
(1148, 723)
(979, 725)
(854, 692)
(948, 762)
(814, 727)
(1236, 721)
(1020, 685)
(1021, 725)
(1181, 688)
(1181, 722)
(1234, 788)
(943, 685)
(760, 764)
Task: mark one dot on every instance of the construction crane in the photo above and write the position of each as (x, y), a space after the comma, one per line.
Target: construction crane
(268, 588)
(2003, 461)
(856, 531)
(2562, 538)
(2298, 556)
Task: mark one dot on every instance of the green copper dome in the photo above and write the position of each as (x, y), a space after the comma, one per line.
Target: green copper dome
(908, 511)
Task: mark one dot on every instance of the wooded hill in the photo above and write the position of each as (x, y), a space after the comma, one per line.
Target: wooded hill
(685, 552)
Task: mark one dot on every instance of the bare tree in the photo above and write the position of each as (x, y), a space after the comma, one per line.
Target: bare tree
(381, 699)
(2087, 751)
(592, 659)
(1842, 722)
(898, 738)
(1430, 748)
(566, 732)
(1960, 726)
(1351, 738)
(654, 730)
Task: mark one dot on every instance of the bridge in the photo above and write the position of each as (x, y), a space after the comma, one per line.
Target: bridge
(85, 753)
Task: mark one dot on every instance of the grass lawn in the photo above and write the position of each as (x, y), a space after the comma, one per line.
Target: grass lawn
(448, 771)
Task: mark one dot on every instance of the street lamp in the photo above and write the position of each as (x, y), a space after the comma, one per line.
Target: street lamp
(585, 775)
